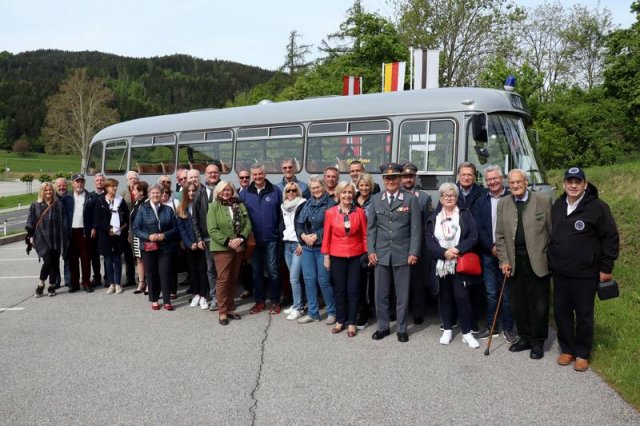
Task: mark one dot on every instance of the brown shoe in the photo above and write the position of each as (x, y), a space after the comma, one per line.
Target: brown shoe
(581, 364)
(257, 308)
(565, 359)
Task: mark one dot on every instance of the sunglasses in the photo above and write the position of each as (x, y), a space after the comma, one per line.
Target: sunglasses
(288, 191)
(243, 177)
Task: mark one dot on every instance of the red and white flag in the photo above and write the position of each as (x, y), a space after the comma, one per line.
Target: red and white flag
(393, 76)
(351, 85)
(426, 64)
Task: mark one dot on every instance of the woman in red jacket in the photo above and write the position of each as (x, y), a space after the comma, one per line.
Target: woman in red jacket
(345, 240)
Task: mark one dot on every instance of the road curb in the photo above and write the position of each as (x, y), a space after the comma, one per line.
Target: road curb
(12, 238)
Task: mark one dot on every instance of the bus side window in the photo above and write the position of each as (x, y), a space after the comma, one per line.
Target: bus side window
(429, 144)
(94, 165)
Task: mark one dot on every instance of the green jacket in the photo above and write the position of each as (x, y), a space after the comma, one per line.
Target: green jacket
(220, 226)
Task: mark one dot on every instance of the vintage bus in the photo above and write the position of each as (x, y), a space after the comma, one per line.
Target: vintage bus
(436, 129)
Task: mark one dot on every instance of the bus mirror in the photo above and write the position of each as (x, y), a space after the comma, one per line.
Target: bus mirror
(479, 127)
(481, 151)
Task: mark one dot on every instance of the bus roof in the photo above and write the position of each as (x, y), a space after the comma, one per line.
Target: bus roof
(441, 100)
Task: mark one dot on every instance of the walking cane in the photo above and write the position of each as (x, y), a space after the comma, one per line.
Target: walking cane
(495, 316)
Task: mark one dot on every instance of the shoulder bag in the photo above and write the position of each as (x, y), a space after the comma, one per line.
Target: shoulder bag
(469, 264)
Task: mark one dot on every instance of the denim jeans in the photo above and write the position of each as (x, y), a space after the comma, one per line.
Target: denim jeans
(265, 258)
(315, 275)
(294, 263)
(493, 278)
(113, 268)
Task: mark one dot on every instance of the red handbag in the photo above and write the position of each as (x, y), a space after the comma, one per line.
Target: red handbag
(150, 246)
(469, 264)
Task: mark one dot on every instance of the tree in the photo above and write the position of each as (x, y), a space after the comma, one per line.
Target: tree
(76, 113)
(4, 139)
(21, 146)
(295, 59)
(466, 32)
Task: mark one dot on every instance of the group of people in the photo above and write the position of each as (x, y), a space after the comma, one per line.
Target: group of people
(349, 246)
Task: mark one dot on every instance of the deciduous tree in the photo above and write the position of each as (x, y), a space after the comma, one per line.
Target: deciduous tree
(76, 113)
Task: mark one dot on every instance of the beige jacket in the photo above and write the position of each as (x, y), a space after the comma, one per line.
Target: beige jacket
(536, 220)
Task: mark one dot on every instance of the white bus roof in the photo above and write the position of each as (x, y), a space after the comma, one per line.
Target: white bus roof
(428, 101)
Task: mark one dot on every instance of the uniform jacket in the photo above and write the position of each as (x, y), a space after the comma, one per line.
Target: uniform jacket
(485, 223)
(468, 234)
(310, 218)
(146, 224)
(394, 231)
(536, 221)
(336, 242)
(264, 211)
(586, 242)
(51, 233)
(220, 226)
(109, 245)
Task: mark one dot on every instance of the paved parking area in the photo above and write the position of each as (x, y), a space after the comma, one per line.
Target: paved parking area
(109, 359)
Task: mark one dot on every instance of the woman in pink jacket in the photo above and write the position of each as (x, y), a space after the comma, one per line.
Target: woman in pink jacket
(344, 242)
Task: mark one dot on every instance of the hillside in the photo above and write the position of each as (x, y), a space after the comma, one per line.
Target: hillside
(142, 86)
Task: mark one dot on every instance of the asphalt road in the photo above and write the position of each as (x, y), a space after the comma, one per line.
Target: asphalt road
(109, 359)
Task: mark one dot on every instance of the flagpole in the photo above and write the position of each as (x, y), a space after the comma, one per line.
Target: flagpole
(382, 87)
(410, 67)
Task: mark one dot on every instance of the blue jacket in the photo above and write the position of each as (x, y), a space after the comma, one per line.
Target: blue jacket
(264, 211)
(310, 219)
(146, 223)
(484, 222)
(468, 234)
(185, 228)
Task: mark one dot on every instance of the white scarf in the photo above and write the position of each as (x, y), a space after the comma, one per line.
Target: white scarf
(289, 208)
(115, 217)
(447, 232)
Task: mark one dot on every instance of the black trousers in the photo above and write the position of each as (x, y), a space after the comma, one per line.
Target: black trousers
(158, 270)
(197, 267)
(345, 276)
(573, 306)
(131, 265)
(530, 302)
(366, 299)
(50, 266)
(454, 296)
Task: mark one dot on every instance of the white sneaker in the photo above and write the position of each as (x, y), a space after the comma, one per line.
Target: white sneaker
(294, 315)
(111, 289)
(331, 319)
(307, 319)
(195, 301)
(213, 306)
(203, 304)
(446, 337)
(289, 310)
(119, 289)
(470, 340)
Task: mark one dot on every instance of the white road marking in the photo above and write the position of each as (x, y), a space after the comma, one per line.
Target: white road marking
(11, 309)
(20, 278)
(14, 260)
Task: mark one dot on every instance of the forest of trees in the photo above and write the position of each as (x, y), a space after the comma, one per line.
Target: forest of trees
(579, 73)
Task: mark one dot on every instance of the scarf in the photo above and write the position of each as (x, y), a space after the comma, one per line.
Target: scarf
(289, 206)
(447, 232)
(236, 219)
(114, 205)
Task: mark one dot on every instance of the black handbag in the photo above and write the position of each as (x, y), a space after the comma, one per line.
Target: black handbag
(608, 290)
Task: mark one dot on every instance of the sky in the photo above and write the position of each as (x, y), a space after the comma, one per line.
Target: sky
(252, 32)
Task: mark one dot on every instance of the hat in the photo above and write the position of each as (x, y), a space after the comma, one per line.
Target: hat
(77, 176)
(409, 169)
(574, 172)
(391, 169)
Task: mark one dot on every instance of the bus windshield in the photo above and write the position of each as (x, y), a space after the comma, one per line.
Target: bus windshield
(503, 142)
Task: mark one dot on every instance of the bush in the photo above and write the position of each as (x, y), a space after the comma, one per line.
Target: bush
(44, 178)
(21, 147)
(26, 178)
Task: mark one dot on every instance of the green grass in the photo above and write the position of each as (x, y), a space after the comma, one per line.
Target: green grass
(616, 354)
(36, 163)
(11, 201)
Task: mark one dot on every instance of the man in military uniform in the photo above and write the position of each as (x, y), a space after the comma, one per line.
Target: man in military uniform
(393, 220)
(420, 276)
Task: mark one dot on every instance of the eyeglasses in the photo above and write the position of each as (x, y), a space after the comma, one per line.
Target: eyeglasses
(288, 191)
(243, 177)
(287, 167)
(448, 196)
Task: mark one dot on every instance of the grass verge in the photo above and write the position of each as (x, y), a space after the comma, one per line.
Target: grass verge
(11, 201)
(616, 354)
(38, 163)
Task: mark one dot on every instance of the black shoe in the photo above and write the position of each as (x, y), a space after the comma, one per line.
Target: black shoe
(536, 353)
(96, 282)
(418, 320)
(485, 333)
(39, 291)
(519, 346)
(362, 323)
(380, 334)
(73, 289)
(51, 290)
(403, 337)
(88, 289)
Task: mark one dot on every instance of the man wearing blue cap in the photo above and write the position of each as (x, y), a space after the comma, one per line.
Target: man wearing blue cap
(394, 220)
(584, 245)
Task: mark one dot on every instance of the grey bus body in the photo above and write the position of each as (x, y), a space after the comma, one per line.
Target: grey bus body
(436, 129)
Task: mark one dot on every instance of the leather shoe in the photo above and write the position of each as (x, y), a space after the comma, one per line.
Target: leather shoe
(565, 359)
(536, 353)
(88, 289)
(519, 346)
(380, 334)
(418, 320)
(581, 364)
(73, 289)
(403, 337)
